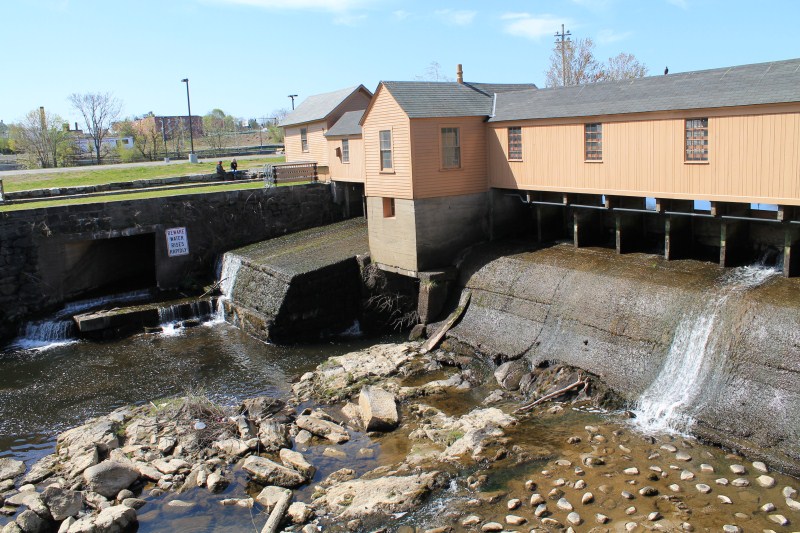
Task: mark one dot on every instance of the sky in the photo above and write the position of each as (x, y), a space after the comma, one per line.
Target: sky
(246, 56)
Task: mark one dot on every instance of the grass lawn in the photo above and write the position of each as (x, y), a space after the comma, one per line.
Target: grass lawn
(136, 195)
(91, 176)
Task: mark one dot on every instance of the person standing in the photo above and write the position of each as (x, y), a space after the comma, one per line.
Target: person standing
(234, 166)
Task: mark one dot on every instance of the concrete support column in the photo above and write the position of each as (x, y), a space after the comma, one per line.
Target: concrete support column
(791, 253)
(433, 290)
(677, 237)
(731, 242)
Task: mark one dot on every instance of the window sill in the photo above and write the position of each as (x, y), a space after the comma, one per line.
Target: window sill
(387, 172)
(514, 160)
(449, 169)
(592, 160)
(345, 162)
(696, 162)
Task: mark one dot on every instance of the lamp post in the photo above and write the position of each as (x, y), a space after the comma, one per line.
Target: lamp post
(164, 137)
(292, 96)
(192, 155)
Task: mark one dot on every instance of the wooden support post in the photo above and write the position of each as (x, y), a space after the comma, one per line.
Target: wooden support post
(677, 237)
(576, 230)
(791, 263)
(731, 242)
(618, 231)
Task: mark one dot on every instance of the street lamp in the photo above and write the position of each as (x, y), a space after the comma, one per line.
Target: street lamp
(192, 155)
(292, 96)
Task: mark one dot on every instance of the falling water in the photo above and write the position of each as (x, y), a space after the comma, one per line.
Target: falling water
(670, 401)
(227, 281)
(60, 329)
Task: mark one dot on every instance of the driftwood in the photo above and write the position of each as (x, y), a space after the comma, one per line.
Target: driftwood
(214, 287)
(584, 382)
(431, 343)
(276, 516)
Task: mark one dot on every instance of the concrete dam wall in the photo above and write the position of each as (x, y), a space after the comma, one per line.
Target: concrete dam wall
(688, 344)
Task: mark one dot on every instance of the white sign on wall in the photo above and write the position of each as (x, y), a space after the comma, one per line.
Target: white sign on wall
(177, 242)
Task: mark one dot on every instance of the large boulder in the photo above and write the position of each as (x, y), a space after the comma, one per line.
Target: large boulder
(323, 428)
(510, 373)
(231, 447)
(10, 468)
(115, 519)
(271, 473)
(378, 409)
(110, 477)
(273, 435)
(261, 407)
(270, 496)
(62, 503)
(296, 461)
(30, 522)
(41, 469)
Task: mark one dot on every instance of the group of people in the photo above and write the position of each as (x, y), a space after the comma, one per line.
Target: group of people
(221, 169)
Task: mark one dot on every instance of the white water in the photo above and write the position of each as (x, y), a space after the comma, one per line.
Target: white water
(694, 360)
(60, 329)
(227, 276)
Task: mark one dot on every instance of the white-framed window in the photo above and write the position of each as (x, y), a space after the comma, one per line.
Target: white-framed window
(696, 148)
(345, 150)
(385, 137)
(304, 139)
(451, 148)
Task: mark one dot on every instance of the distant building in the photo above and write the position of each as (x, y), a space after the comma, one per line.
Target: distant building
(171, 125)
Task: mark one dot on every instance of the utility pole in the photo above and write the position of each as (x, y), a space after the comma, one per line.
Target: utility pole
(561, 40)
(292, 96)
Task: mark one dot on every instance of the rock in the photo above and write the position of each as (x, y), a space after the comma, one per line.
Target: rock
(378, 409)
(11, 527)
(322, 428)
(675, 487)
(246, 430)
(299, 512)
(724, 499)
(178, 505)
(30, 522)
(471, 520)
(536, 499)
(273, 435)
(627, 495)
(686, 475)
(702, 487)
(271, 473)
(262, 407)
(560, 482)
(10, 468)
(303, 437)
(739, 470)
(216, 482)
(148, 471)
(564, 505)
(683, 456)
(551, 522)
(630, 510)
(41, 469)
(296, 461)
(648, 491)
(352, 412)
(574, 518)
(367, 453)
(540, 510)
(244, 503)
(334, 453)
(125, 493)
(669, 447)
(766, 481)
(740, 482)
(779, 519)
(343, 474)
(768, 507)
(166, 444)
(630, 526)
(270, 496)
(513, 504)
(587, 498)
(721, 481)
(32, 500)
(593, 461)
(509, 374)
(789, 492)
(62, 503)
(66, 524)
(515, 520)
(654, 516)
(385, 495)
(707, 468)
(231, 447)
(173, 466)
(686, 526)
(793, 504)
(492, 526)
(633, 471)
(601, 518)
(761, 467)
(110, 477)
(134, 503)
(95, 500)
(115, 519)
(731, 528)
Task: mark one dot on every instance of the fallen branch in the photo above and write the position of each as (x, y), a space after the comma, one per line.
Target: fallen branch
(216, 285)
(431, 343)
(275, 517)
(584, 382)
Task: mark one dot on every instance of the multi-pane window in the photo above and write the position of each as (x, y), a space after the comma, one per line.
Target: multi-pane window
(697, 139)
(593, 142)
(304, 139)
(345, 151)
(385, 137)
(451, 148)
(515, 143)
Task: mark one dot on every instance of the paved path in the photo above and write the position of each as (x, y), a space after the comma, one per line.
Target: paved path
(206, 160)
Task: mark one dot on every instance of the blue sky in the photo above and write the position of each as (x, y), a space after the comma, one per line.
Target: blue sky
(246, 56)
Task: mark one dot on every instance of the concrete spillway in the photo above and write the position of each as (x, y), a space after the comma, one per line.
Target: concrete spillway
(296, 286)
(646, 326)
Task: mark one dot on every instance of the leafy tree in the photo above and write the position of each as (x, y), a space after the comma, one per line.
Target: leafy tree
(253, 124)
(147, 141)
(577, 65)
(41, 138)
(217, 127)
(99, 110)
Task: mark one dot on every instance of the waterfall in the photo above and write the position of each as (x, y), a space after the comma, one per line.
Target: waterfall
(171, 318)
(227, 281)
(694, 360)
(60, 329)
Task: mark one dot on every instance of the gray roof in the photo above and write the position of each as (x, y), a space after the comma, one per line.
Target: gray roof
(319, 106)
(348, 124)
(495, 88)
(761, 83)
(422, 99)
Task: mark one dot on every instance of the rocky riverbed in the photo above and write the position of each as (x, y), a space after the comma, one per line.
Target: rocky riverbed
(389, 438)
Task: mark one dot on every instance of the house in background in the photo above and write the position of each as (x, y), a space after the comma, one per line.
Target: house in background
(305, 127)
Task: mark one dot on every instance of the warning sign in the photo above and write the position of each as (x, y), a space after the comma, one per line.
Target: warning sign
(177, 243)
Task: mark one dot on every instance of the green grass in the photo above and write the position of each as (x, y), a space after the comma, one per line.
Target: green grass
(89, 176)
(137, 195)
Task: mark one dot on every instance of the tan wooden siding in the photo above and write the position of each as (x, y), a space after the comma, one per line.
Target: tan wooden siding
(753, 157)
(317, 143)
(355, 102)
(386, 114)
(429, 178)
(352, 171)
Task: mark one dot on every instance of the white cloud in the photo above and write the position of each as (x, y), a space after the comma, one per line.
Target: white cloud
(610, 36)
(401, 14)
(320, 5)
(533, 26)
(457, 17)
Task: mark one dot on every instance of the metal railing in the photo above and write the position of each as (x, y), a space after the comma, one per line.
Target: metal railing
(276, 174)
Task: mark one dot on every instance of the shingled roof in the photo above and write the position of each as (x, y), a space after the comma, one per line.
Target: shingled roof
(760, 83)
(348, 124)
(319, 106)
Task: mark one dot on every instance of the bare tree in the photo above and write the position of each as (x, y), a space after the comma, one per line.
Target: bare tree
(217, 127)
(99, 111)
(578, 65)
(41, 137)
(434, 72)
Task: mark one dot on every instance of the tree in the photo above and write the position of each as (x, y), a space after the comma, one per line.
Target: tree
(577, 65)
(433, 73)
(99, 111)
(41, 138)
(217, 126)
(147, 141)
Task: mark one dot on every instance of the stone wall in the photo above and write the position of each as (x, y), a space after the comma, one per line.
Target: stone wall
(51, 255)
(617, 317)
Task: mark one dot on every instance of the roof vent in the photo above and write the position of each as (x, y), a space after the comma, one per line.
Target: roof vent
(459, 74)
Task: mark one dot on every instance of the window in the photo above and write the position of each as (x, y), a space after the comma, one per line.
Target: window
(697, 139)
(385, 137)
(451, 148)
(593, 142)
(304, 139)
(345, 150)
(388, 207)
(515, 144)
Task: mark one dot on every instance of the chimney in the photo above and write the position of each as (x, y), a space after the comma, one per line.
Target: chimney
(459, 74)
(76, 126)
